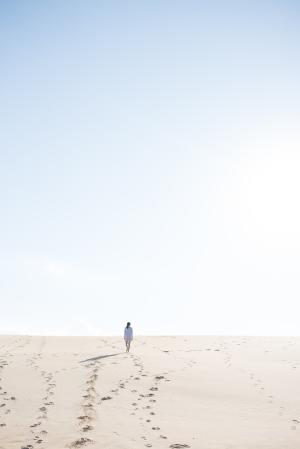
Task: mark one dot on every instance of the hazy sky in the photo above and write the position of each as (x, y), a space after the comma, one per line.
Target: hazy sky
(150, 167)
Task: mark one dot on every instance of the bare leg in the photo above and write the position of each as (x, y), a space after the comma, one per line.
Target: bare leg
(128, 346)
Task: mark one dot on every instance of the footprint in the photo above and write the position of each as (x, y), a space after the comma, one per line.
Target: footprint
(36, 424)
(178, 446)
(84, 418)
(78, 443)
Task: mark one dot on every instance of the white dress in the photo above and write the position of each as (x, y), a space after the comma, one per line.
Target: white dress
(128, 333)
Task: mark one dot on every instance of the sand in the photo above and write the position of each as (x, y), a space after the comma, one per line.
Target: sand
(169, 392)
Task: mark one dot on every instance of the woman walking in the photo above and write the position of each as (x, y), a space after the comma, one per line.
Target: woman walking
(128, 336)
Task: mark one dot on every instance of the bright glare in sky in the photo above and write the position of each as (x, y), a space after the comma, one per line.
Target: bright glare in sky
(149, 167)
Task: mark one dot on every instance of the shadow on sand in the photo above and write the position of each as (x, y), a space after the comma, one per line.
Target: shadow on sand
(101, 357)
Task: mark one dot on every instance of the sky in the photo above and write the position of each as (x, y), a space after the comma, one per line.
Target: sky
(149, 167)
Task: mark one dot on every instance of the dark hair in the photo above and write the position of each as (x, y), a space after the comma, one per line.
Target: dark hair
(128, 324)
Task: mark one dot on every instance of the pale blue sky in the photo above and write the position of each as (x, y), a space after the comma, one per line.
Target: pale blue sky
(149, 167)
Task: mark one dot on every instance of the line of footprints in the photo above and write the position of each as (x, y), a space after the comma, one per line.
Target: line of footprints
(37, 428)
(5, 396)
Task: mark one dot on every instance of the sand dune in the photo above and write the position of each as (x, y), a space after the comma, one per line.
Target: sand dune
(169, 392)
